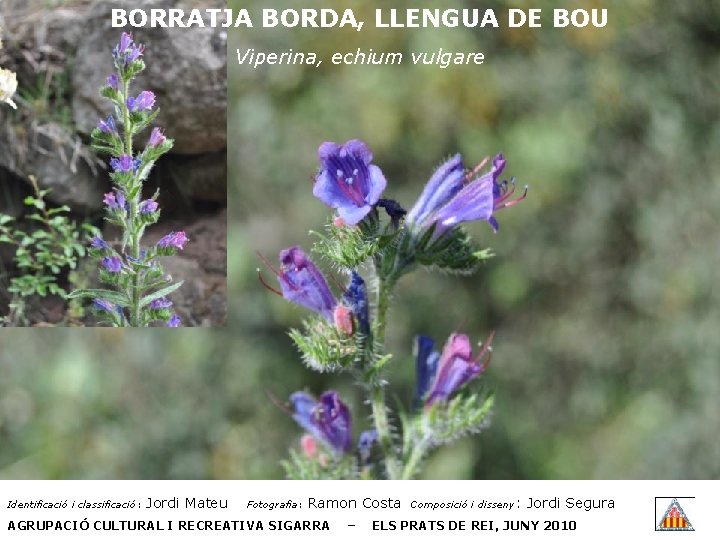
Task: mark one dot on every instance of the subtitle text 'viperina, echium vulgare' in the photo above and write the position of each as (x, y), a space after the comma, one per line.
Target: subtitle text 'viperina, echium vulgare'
(138, 284)
(376, 238)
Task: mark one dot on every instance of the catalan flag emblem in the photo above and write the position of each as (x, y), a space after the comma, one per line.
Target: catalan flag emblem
(674, 519)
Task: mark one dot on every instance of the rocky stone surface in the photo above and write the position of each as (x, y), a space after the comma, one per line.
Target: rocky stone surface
(57, 158)
(200, 178)
(202, 265)
(72, 44)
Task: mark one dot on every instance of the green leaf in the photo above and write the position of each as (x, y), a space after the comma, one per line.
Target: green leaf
(159, 294)
(32, 201)
(324, 348)
(141, 120)
(454, 252)
(465, 414)
(299, 467)
(105, 149)
(111, 296)
(345, 247)
(58, 210)
(375, 373)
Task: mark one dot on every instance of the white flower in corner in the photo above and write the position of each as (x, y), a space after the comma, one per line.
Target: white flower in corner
(8, 85)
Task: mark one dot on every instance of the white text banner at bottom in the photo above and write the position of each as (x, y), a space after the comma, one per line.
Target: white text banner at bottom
(180, 509)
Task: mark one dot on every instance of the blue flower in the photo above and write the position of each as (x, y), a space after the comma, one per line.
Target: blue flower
(327, 420)
(443, 185)
(115, 200)
(143, 102)
(156, 137)
(126, 51)
(478, 200)
(113, 82)
(356, 298)
(426, 362)
(176, 240)
(112, 264)
(160, 303)
(455, 368)
(452, 197)
(367, 440)
(148, 206)
(302, 283)
(103, 305)
(125, 164)
(174, 321)
(126, 40)
(99, 243)
(347, 180)
(108, 126)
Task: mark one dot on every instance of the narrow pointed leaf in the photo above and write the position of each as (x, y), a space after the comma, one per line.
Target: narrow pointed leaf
(159, 294)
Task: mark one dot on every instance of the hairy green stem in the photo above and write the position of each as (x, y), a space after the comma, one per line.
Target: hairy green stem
(126, 118)
(413, 462)
(131, 221)
(382, 425)
(377, 395)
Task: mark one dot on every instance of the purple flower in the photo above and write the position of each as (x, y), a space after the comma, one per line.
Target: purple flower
(156, 137)
(455, 368)
(126, 40)
(107, 126)
(115, 200)
(161, 303)
(124, 164)
(327, 420)
(103, 305)
(366, 441)
(133, 54)
(97, 242)
(112, 264)
(445, 182)
(126, 51)
(302, 283)
(143, 102)
(148, 206)
(110, 201)
(174, 321)
(477, 200)
(113, 82)
(175, 240)
(347, 180)
(356, 298)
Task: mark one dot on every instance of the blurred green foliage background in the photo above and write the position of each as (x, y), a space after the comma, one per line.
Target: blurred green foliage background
(604, 292)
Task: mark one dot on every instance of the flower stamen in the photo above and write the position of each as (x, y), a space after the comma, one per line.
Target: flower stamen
(476, 170)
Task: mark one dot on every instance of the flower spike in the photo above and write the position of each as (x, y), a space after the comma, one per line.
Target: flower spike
(129, 267)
